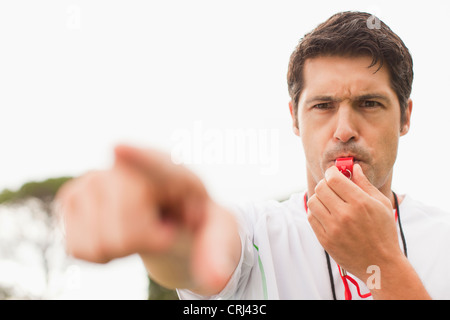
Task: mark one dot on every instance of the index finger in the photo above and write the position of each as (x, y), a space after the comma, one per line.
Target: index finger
(154, 165)
(341, 185)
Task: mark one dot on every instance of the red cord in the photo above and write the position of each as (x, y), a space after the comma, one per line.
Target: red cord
(305, 198)
(357, 287)
(348, 293)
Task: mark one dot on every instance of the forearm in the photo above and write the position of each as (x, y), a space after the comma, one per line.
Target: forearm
(399, 281)
(201, 261)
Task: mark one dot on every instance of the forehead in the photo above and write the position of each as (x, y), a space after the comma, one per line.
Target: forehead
(344, 77)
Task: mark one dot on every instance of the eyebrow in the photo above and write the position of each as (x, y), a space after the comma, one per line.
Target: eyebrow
(363, 97)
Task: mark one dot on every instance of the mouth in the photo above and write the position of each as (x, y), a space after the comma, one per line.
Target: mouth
(332, 161)
(355, 158)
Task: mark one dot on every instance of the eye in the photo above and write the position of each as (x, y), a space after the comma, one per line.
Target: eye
(371, 104)
(323, 106)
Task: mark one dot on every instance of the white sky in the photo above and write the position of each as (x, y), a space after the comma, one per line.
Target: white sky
(77, 77)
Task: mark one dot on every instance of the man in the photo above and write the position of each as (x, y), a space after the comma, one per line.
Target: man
(350, 83)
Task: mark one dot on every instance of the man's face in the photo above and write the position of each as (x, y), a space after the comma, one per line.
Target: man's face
(348, 109)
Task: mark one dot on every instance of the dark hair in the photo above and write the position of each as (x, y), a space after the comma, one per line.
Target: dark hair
(354, 34)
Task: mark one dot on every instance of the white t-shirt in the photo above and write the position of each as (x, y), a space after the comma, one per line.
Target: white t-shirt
(282, 259)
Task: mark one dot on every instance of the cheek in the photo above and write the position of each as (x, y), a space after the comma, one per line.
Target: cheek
(311, 130)
(314, 144)
(311, 139)
(390, 148)
(384, 151)
(387, 141)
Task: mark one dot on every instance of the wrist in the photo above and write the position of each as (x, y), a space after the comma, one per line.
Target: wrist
(396, 279)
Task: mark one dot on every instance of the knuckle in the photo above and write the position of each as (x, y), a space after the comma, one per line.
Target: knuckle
(346, 213)
(334, 232)
(320, 186)
(312, 201)
(360, 204)
(345, 218)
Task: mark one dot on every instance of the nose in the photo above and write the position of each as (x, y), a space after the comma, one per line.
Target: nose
(346, 124)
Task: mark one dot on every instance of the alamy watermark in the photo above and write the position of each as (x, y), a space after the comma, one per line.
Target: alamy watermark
(73, 18)
(227, 146)
(373, 22)
(374, 280)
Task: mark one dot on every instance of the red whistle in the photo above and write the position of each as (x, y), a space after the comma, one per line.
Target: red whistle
(345, 165)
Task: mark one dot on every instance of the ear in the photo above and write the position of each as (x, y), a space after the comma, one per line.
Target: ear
(294, 120)
(406, 125)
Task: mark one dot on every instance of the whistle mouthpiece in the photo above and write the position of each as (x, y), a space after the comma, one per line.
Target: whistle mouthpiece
(345, 165)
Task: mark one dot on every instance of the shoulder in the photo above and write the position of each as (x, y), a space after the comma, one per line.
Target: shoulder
(424, 222)
(427, 234)
(417, 211)
(273, 212)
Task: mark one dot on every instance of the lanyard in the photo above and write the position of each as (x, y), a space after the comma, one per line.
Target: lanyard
(343, 274)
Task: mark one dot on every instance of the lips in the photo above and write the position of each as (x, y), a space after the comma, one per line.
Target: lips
(359, 154)
(355, 158)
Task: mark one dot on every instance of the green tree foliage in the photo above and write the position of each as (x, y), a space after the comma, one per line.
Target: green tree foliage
(43, 190)
(157, 292)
